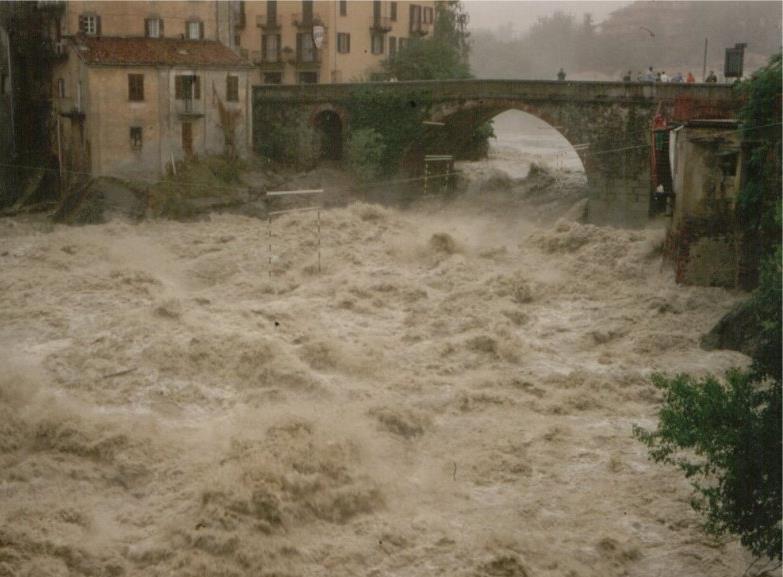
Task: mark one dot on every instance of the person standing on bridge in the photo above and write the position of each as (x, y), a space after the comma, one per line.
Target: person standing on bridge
(690, 79)
(711, 78)
(627, 76)
(664, 76)
(561, 75)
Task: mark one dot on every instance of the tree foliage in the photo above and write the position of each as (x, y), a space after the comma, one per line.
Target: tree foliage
(726, 435)
(365, 153)
(726, 438)
(441, 56)
(667, 35)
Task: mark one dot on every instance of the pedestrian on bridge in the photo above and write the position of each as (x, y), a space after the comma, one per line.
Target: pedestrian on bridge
(690, 78)
(561, 75)
(711, 78)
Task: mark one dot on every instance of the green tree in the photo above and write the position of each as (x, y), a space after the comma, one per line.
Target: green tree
(365, 153)
(725, 435)
(441, 56)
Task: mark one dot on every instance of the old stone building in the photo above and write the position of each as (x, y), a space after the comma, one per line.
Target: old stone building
(706, 157)
(356, 37)
(145, 84)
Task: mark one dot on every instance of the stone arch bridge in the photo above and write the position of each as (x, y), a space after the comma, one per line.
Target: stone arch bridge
(607, 123)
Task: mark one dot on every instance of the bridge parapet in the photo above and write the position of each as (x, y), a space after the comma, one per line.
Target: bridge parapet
(577, 91)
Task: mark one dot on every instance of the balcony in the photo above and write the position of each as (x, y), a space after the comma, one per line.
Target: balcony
(308, 61)
(420, 28)
(269, 63)
(381, 24)
(306, 20)
(268, 22)
(190, 107)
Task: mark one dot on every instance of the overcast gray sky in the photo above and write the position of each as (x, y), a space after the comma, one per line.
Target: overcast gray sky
(522, 14)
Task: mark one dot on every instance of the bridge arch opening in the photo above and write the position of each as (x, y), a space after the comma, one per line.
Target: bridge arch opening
(523, 139)
(330, 131)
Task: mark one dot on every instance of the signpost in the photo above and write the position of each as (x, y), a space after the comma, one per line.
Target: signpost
(732, 67)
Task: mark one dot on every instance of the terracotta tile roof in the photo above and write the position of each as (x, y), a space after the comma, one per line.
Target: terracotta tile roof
(108, 50)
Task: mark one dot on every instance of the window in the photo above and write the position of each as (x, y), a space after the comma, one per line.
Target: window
(89, 24)
(415, 18)
(305, 48)
(377, 43)
(187, 87)
(4, 83)
(271, 12)
(153, 27)
(270, 49)
(308, 78)
(393, 11)
(273, 78)
(135, 87)
(232, 88)
(392, 46)
(194, 30)
(427, 15)
(135, 137)
(61, 87)
(307, 12)
(343, 42)
(343, 7)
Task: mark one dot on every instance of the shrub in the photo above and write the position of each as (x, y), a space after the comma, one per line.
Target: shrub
(365, 153)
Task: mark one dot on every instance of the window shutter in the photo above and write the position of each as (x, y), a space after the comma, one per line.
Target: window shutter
(196, 87)
(201, 31)
(97, 25)
(147, 27)
(160, 28)
(299, 46)
(179, 91)
(263, 47)
(348, 42)
(82, 23)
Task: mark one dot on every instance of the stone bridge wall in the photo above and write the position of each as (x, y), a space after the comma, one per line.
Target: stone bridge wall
(609, 120)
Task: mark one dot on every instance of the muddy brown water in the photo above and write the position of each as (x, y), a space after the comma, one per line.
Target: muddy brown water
(452, 395)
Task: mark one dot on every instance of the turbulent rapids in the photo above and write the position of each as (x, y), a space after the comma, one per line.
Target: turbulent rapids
(453, 395)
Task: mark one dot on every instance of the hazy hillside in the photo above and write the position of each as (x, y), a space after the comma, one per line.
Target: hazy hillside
(666, 35)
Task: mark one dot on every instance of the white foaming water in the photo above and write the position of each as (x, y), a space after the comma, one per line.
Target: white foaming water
(523, 139)
(453, 395)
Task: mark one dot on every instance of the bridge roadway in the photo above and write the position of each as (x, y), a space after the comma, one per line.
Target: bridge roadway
(531, 90)
(612, 119)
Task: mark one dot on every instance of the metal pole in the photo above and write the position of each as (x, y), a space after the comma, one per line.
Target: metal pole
(318, 221)
(704, 68)
(269, 229)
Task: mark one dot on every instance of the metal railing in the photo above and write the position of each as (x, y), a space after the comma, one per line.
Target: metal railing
(380, 23)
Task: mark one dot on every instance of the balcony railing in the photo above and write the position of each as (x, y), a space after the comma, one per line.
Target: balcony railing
(268, 22)
(420, 28)
(267, 63)
(190, 107)
(306, 20)
(380, 23)
(310, 60)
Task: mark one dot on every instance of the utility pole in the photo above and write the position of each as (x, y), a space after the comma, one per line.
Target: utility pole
(704, 68)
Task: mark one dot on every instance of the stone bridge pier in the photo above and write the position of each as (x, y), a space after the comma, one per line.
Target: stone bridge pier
(607, 123)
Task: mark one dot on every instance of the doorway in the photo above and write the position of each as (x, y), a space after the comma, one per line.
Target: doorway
(187, 139)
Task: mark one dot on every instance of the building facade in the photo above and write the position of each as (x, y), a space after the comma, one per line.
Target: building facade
(281, 37)
(145, 84)
(707, 162)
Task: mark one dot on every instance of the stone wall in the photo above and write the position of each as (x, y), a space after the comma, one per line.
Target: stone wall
(609, 121)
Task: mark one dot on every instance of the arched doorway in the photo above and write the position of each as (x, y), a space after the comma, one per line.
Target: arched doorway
(330, 131)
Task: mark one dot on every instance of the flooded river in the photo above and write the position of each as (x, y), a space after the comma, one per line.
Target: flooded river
(452, 395)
